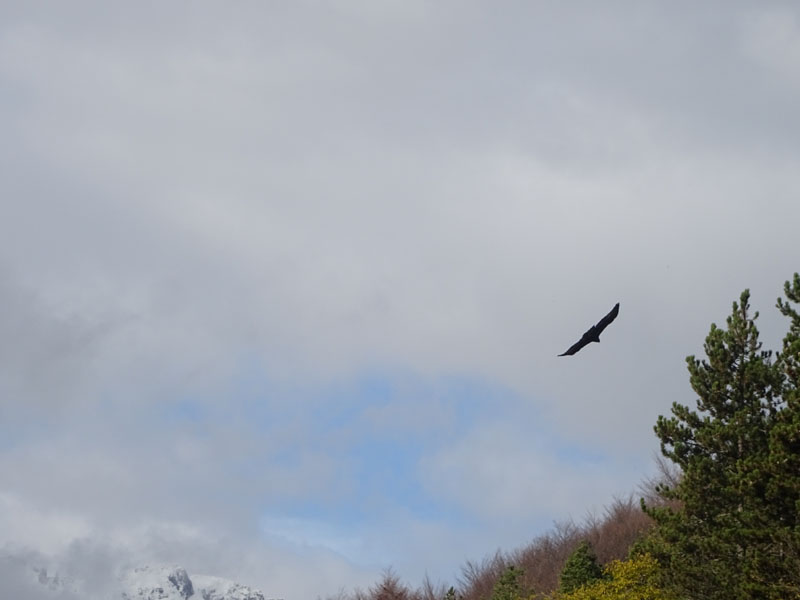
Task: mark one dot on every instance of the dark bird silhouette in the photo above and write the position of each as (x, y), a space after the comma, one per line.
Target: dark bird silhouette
(593, 335)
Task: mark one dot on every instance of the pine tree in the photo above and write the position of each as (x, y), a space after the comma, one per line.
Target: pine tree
(783, 492)
(714, 545)
(580, 569)
(508, 586)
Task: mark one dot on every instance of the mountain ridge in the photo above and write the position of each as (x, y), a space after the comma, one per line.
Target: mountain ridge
(147, 582)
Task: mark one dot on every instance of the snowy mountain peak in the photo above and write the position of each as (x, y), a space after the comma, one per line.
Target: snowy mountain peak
(141, 583)
(174, 583)
(215, 588)
(159, 583)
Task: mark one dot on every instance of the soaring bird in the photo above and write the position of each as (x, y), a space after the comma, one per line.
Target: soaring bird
(593, 335)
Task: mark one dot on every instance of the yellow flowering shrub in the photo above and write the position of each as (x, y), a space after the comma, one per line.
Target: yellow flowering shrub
(634, 579)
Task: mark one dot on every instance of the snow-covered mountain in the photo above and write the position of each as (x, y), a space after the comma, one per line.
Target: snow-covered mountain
(144, 583)
(174, 583)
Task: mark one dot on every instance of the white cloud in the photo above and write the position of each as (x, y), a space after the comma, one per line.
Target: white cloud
(517, 473)
(50, 530)
(772, 37)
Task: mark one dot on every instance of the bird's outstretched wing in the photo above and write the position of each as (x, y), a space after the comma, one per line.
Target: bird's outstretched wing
(577, 346)
(606, 321)
(593, 334)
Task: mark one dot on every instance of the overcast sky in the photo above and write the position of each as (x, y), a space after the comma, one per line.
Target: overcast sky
(282, 284)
